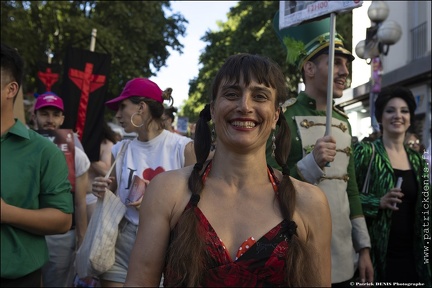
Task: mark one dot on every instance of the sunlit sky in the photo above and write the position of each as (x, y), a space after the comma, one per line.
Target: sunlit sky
(180, 69)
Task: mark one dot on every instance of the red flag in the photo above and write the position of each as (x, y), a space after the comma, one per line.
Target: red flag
(84, 87)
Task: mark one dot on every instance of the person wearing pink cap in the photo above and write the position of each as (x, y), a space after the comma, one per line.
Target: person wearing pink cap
(59, 271)
(35, 190)
(155, 150)
(50, 99)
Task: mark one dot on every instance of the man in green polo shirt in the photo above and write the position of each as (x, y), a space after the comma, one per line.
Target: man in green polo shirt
(326, 161)
(35, 190)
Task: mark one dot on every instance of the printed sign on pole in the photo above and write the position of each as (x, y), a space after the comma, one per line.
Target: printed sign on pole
(292, 13)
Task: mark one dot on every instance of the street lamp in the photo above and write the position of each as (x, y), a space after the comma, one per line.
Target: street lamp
(379, 37)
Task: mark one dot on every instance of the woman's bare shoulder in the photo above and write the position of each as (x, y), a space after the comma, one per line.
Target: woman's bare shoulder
(173, 179)
(168, 193)
(313, 209)
(309, 196)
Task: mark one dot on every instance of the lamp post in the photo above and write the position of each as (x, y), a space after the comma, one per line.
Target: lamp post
(379, 37)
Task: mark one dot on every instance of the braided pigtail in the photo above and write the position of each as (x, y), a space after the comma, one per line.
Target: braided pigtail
(187, 253)
(300, 257)
(202, 145)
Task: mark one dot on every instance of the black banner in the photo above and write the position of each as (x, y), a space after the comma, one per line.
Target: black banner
(84, 87)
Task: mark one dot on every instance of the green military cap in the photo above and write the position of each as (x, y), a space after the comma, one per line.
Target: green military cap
(308, 40)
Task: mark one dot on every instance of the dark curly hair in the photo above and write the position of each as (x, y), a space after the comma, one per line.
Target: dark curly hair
(389, 93)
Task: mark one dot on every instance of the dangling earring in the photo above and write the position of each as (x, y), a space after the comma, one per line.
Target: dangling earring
(273, 145)
(213, 140)
(131, 120)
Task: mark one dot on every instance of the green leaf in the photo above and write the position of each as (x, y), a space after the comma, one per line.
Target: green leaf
(294, 49)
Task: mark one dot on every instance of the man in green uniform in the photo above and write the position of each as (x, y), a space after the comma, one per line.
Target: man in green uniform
(326, 161)
(35, 190)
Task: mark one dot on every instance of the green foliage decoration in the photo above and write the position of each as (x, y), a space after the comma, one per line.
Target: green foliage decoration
(294, 49)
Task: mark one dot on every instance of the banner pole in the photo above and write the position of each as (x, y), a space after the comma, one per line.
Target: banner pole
(93, 39)
(329, 107)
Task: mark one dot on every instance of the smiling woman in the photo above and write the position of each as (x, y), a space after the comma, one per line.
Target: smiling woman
(394, 214)
(193, 242)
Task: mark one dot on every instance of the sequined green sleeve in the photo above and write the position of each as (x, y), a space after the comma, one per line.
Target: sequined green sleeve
(362, 156)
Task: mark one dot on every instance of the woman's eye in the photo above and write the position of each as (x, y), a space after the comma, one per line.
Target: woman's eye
(230, 95)
(260, 97)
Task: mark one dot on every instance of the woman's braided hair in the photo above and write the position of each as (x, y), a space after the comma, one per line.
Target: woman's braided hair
(187, 254)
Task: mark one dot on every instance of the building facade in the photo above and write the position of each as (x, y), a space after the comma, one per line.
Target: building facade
(408, 63)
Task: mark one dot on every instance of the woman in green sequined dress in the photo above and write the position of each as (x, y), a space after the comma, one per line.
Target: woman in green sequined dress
(398, 219)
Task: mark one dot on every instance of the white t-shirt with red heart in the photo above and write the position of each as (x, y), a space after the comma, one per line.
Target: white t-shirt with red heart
(147, 159)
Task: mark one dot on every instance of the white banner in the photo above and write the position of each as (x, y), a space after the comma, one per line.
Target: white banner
(292, 13)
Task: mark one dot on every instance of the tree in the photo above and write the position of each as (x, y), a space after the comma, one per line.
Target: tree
(137, 34)
(249, 28)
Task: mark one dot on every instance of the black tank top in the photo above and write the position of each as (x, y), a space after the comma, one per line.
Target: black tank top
(402, 226)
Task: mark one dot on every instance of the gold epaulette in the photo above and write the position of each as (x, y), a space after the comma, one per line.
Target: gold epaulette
(340, 112)
(289, 102)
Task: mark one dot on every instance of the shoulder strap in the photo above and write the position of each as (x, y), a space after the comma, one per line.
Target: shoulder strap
(117, 157)
(366, 182)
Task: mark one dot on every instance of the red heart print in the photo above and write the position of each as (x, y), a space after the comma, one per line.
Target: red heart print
(149, 173)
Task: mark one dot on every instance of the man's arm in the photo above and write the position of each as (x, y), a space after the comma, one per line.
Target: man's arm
(82, 164)
(360, 234)
(307, 170)
(365, 267)
(81, 183)
(104, 164)
(312, 167)
(45, 221)
(53, 214)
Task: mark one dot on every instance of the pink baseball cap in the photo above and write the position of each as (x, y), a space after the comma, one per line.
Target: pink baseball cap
(48, 99)
(138, 87)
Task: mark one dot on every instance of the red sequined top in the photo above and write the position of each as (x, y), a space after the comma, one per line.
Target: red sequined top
(260, 264)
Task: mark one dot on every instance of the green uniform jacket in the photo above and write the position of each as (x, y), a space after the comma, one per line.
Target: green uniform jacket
(382, 179)
(34, 175)
(349, 230)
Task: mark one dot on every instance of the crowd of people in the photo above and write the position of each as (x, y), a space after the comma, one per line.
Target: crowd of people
(262, 195)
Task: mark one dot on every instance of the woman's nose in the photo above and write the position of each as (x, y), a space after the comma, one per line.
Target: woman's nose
(398, 114)
(245, 103)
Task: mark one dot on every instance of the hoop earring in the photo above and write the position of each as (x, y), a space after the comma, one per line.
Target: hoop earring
(131, 120)
(273, 145)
